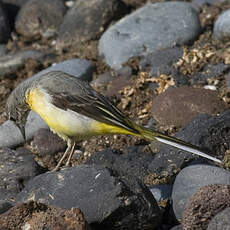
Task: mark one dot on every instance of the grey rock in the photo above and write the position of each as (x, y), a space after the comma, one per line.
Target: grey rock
(10, 135)
(149, 29)
(37, 16)
(161, 191)
(221, 29)
(88, 19)
(33, 124)
(80, 68)
(4, 206)
(191, 179)
(220, 221)
(17, 167)
(103, 196)
(11, 63)
(4, 25)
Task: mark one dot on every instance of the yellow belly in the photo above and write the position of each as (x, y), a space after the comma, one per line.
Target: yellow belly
(67, 123)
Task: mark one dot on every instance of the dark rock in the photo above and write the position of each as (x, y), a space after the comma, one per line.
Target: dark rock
(4, 25)
(46, 145)
(4, 206)
(12, 7)
(46, 142)
(87, 20)
(108, 78)
(17, 168)
(39, 216)
(210, 71)
(37, 16)
(105, 198)
(211, 134)
(149, 29)
(204, 205)
(178, 106)
(132, 161)
(222, 27)
(220, 221)
(191, 179)
(161, 61)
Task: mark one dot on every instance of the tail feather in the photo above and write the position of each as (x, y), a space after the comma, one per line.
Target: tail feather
(152, 135)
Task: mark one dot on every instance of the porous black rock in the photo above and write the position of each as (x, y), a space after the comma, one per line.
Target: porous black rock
(108, 201)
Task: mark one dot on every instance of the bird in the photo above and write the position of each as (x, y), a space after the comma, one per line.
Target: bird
(75, 111)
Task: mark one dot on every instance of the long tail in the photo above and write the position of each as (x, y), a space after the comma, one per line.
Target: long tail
(152, 135)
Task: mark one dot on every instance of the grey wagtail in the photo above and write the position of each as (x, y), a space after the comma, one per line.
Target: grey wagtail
(75, 111)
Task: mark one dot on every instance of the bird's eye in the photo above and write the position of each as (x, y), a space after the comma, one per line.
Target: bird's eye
(12, 119)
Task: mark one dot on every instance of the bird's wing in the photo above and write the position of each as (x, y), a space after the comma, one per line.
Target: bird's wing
(86, 101)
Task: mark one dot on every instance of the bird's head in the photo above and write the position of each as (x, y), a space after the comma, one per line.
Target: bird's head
(17, 109)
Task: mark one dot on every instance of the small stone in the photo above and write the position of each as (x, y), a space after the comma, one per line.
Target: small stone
(221, 29)
(161, 191)
(210, 71)
(204, 205)
(17, 167)
(39, 216)
(161, 61)
(149, 29)
(87, 20)
(220, 221)
(37, 16)
(33, 124)
(45, 142)
(10, 135)
(178, 106)
(191, 179)
(104, 197)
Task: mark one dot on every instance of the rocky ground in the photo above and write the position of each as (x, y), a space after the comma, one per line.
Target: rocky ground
(166, 66)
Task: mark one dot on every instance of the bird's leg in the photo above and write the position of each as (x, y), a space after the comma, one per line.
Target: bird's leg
(70, 155)
(70, 145)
